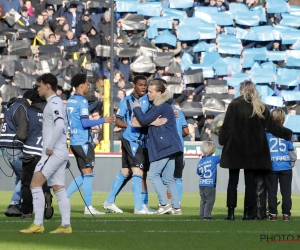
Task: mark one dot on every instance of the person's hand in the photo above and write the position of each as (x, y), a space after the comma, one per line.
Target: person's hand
(136, 104)
(159, 121)
(95, 141)
(109, 119)
(95, 130)
(49, 151)
(176, 113)
(117, 129)
(7, 14)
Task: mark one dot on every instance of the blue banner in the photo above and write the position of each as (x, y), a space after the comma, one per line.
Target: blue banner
(149, 9)
(290, 95)
(204, 46)
(236, 79)
(276, 101)
(277, 6)
(127, 6)
(167, 38)
(181, 4)
(287, 77)
(161, 22)
(233, 48)
(207, 10)
(234, 64)
(176, 14)
(258, 10)
(152, 32)
(276, 55)
(264, 90)
(290, 20)
(262, 75)
(292, 122)
(208, 71)
(235, 8)
(293, 58)
(247, 18)
(187, 33)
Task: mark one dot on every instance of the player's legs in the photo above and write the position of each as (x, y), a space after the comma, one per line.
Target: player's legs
(137, 176)
(179, 165)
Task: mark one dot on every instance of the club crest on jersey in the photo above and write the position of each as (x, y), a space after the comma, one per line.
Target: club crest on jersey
(85, 112)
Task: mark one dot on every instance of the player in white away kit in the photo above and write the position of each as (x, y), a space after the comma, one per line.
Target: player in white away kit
(54, 159)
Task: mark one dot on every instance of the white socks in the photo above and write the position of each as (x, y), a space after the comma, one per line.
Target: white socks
(64, 206)
(38, 199)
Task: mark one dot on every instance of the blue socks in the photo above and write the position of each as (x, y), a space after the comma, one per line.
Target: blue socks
(117, 183)
(145, 197)
(75, 185)
(87, 188)
(179, 187)
(137, 191)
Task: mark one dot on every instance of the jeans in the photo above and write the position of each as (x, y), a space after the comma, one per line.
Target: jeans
(164, 168)
(12, 156)
(208, 197)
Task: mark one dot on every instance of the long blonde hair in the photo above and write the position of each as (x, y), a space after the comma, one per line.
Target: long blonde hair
(250, 94)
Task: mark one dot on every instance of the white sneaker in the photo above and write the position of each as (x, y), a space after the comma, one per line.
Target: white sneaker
(112, 208)
(148, 209)
(143, 211)
(92, 210)
(164, 209)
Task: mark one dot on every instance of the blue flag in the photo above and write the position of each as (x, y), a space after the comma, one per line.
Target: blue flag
(167, 38)
(276, 101)
(264, 90)
(287, 77)
(126, 6)
(262, 75)
(236, 79)
(149, 9)
(234, 64)
(249, 18)
(293, 58)
(276, 55)
(187, 33)
(181, 4)
(292, 122)
(260, 12)
(204, 46)
(208, 71)
(186, 61)
(295, 10)
(235, 8)
(290, 95)
(152, 32)
(161, 22)
(176, 14)
(289, 20)
(277, 6)
(207, 10)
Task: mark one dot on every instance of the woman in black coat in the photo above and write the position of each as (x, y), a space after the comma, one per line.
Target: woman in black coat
(245, 145)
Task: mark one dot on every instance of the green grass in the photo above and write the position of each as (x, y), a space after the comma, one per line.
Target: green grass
(128, 231)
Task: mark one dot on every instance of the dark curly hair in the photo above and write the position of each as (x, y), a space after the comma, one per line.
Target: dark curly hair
(78, 79)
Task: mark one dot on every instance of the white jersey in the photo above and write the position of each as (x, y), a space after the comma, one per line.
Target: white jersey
(53, 111)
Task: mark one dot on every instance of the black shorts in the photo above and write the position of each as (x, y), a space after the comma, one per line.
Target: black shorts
(140, 159)
(179, 165)
(84, 160)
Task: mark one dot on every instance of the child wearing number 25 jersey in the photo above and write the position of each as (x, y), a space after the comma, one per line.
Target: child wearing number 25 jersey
(283, 158)
(207, 170)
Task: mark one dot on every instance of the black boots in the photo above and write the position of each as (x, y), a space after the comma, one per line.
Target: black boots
(248, 214)
(230, 215)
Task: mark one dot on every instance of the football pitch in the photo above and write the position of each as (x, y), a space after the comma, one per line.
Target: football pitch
(129, 231)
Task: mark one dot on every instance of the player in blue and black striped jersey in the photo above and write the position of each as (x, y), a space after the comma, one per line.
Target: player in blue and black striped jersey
(134, 151)
(81, 140)
(283, 158)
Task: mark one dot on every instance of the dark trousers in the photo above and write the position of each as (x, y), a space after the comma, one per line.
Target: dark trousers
(250, 189)
(285, 181)
(27, 174)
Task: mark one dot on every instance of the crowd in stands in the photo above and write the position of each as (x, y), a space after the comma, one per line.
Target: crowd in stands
(202, 48)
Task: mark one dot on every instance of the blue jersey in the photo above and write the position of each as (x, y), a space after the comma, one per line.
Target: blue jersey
(125, 112)
(279, 152)
(180, 124)
(78, 108)
(207, 169)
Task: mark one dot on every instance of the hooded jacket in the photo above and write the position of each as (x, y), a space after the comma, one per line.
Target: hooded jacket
(163, 140)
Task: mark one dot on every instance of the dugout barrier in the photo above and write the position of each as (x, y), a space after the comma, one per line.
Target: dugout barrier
(108, 165)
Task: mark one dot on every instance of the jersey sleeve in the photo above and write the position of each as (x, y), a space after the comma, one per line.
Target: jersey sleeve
(57, 109)
(122, 110)
(217, 159)
(290, 146)
(183, 120)
(84, 109)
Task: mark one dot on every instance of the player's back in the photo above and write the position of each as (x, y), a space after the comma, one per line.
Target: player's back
(77, 108)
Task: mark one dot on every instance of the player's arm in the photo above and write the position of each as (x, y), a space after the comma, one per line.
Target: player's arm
(149, 117)
(158, 122)
(185, 131)
(22, 122)
(120, 123)
(87, 123)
